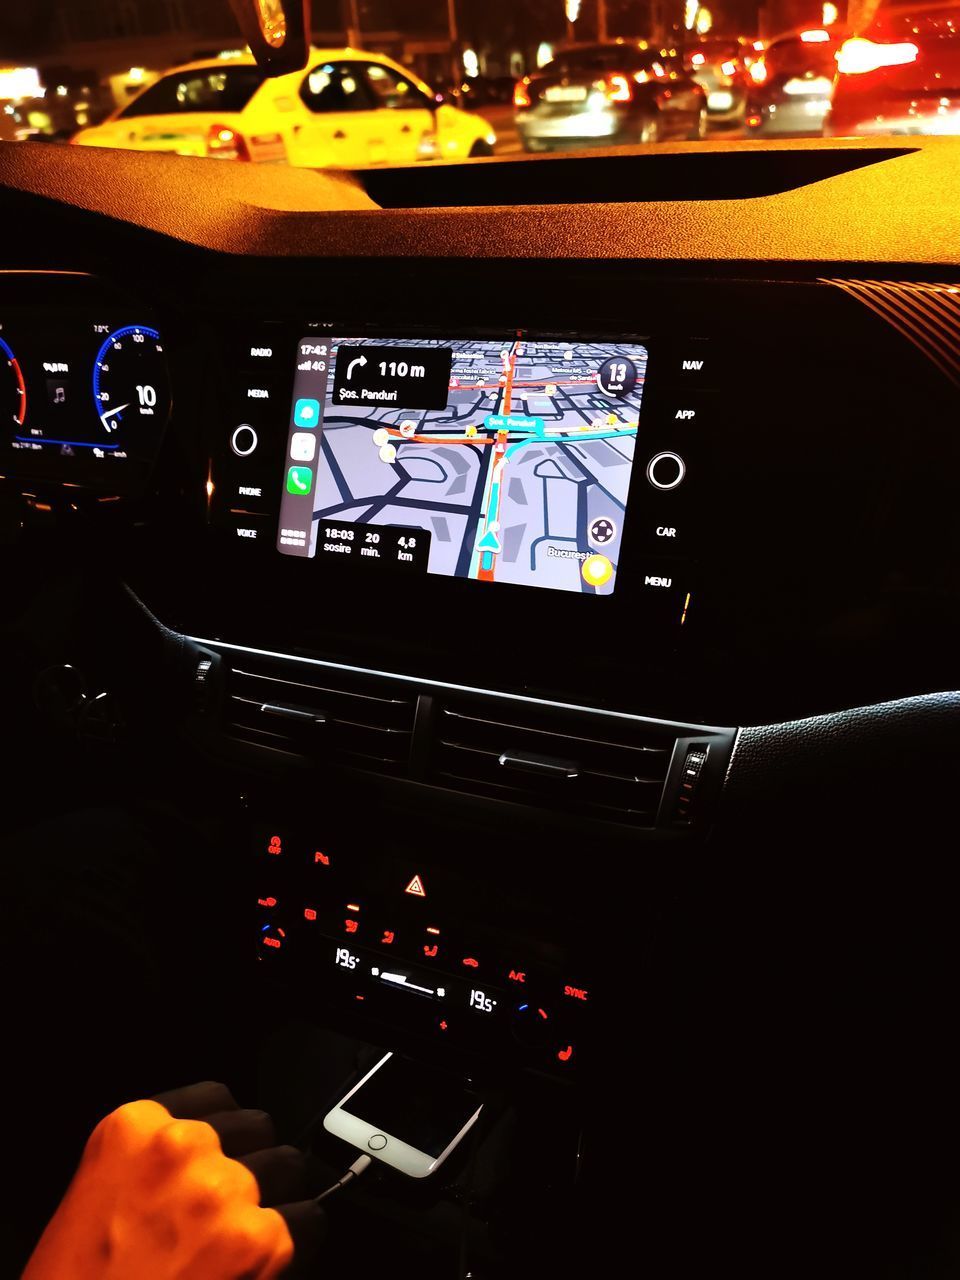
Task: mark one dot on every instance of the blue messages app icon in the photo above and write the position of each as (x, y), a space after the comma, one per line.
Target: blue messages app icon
(306, 413)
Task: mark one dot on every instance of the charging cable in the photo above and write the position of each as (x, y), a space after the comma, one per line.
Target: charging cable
(360, 1165)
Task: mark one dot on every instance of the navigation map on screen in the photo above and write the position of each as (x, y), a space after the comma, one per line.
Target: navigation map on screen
(499, 461)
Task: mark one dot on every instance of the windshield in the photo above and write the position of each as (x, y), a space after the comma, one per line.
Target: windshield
(390, 83)
(794, 57)
(601, 58)
(219, 89)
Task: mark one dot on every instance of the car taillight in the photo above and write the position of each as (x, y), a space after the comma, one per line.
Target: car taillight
(758, 71)
(858, 55)
(521, 94)
(728, 68)
(617, 88)
(224, 143)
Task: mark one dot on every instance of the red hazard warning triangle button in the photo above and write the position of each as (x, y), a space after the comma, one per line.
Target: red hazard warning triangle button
(416, 888)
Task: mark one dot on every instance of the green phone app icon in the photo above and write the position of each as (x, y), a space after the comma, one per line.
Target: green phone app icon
(299, 480)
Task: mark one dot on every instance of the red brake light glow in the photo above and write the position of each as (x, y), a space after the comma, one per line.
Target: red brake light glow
(521, 94)
(857, 56)
(225, 143)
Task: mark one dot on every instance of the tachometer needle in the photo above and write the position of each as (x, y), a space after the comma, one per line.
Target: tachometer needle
(112, 426)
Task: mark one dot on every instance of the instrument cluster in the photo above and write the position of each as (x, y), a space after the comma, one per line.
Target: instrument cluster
(84, 381)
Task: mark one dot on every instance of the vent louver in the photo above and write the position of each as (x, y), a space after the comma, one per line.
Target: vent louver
(602, 766)
(314, 711)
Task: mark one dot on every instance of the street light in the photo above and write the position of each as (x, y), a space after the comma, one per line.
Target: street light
(352, 23)
(454, 42)
(572, 10)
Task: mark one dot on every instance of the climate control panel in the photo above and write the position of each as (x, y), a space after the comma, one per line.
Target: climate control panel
(383, 938)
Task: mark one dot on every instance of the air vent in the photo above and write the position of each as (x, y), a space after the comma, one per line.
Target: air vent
(601, 766)
(315, 711)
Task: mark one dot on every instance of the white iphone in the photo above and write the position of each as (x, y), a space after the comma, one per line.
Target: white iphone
(408, 1116)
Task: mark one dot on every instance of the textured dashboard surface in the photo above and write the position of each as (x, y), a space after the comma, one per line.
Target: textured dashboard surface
(769, 759)
(901, 210)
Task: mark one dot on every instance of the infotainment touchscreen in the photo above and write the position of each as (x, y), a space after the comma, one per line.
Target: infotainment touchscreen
(495, 460)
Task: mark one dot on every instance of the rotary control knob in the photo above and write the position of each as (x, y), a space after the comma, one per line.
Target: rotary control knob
(532, 1023)
(272, 941)
(666, 470)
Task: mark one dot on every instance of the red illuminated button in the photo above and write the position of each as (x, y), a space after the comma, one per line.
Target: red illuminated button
(387, 938)
(266, 902)
(321, 859)
(275, 846)
(565, 1054)
(471, 963)
(415, 887)
(577, 993)
(271, 942)
(309, 913)
(517, 975)
(430, 951)
(351, 926)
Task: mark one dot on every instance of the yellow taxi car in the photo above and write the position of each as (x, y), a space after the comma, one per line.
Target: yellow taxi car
(347, 109)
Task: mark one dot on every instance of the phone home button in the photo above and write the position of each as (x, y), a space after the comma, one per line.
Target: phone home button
(376, 1142)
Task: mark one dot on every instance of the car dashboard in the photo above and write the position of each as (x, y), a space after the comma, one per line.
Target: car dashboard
(453, 810)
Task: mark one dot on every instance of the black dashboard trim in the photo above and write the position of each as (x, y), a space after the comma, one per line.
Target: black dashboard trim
(448, 687)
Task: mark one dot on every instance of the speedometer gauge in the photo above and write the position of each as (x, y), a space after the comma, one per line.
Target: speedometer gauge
(13, 390)
(130, 383)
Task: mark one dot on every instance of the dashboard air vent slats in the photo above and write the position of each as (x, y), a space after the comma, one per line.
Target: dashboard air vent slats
(357, 721)
(608, 768)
